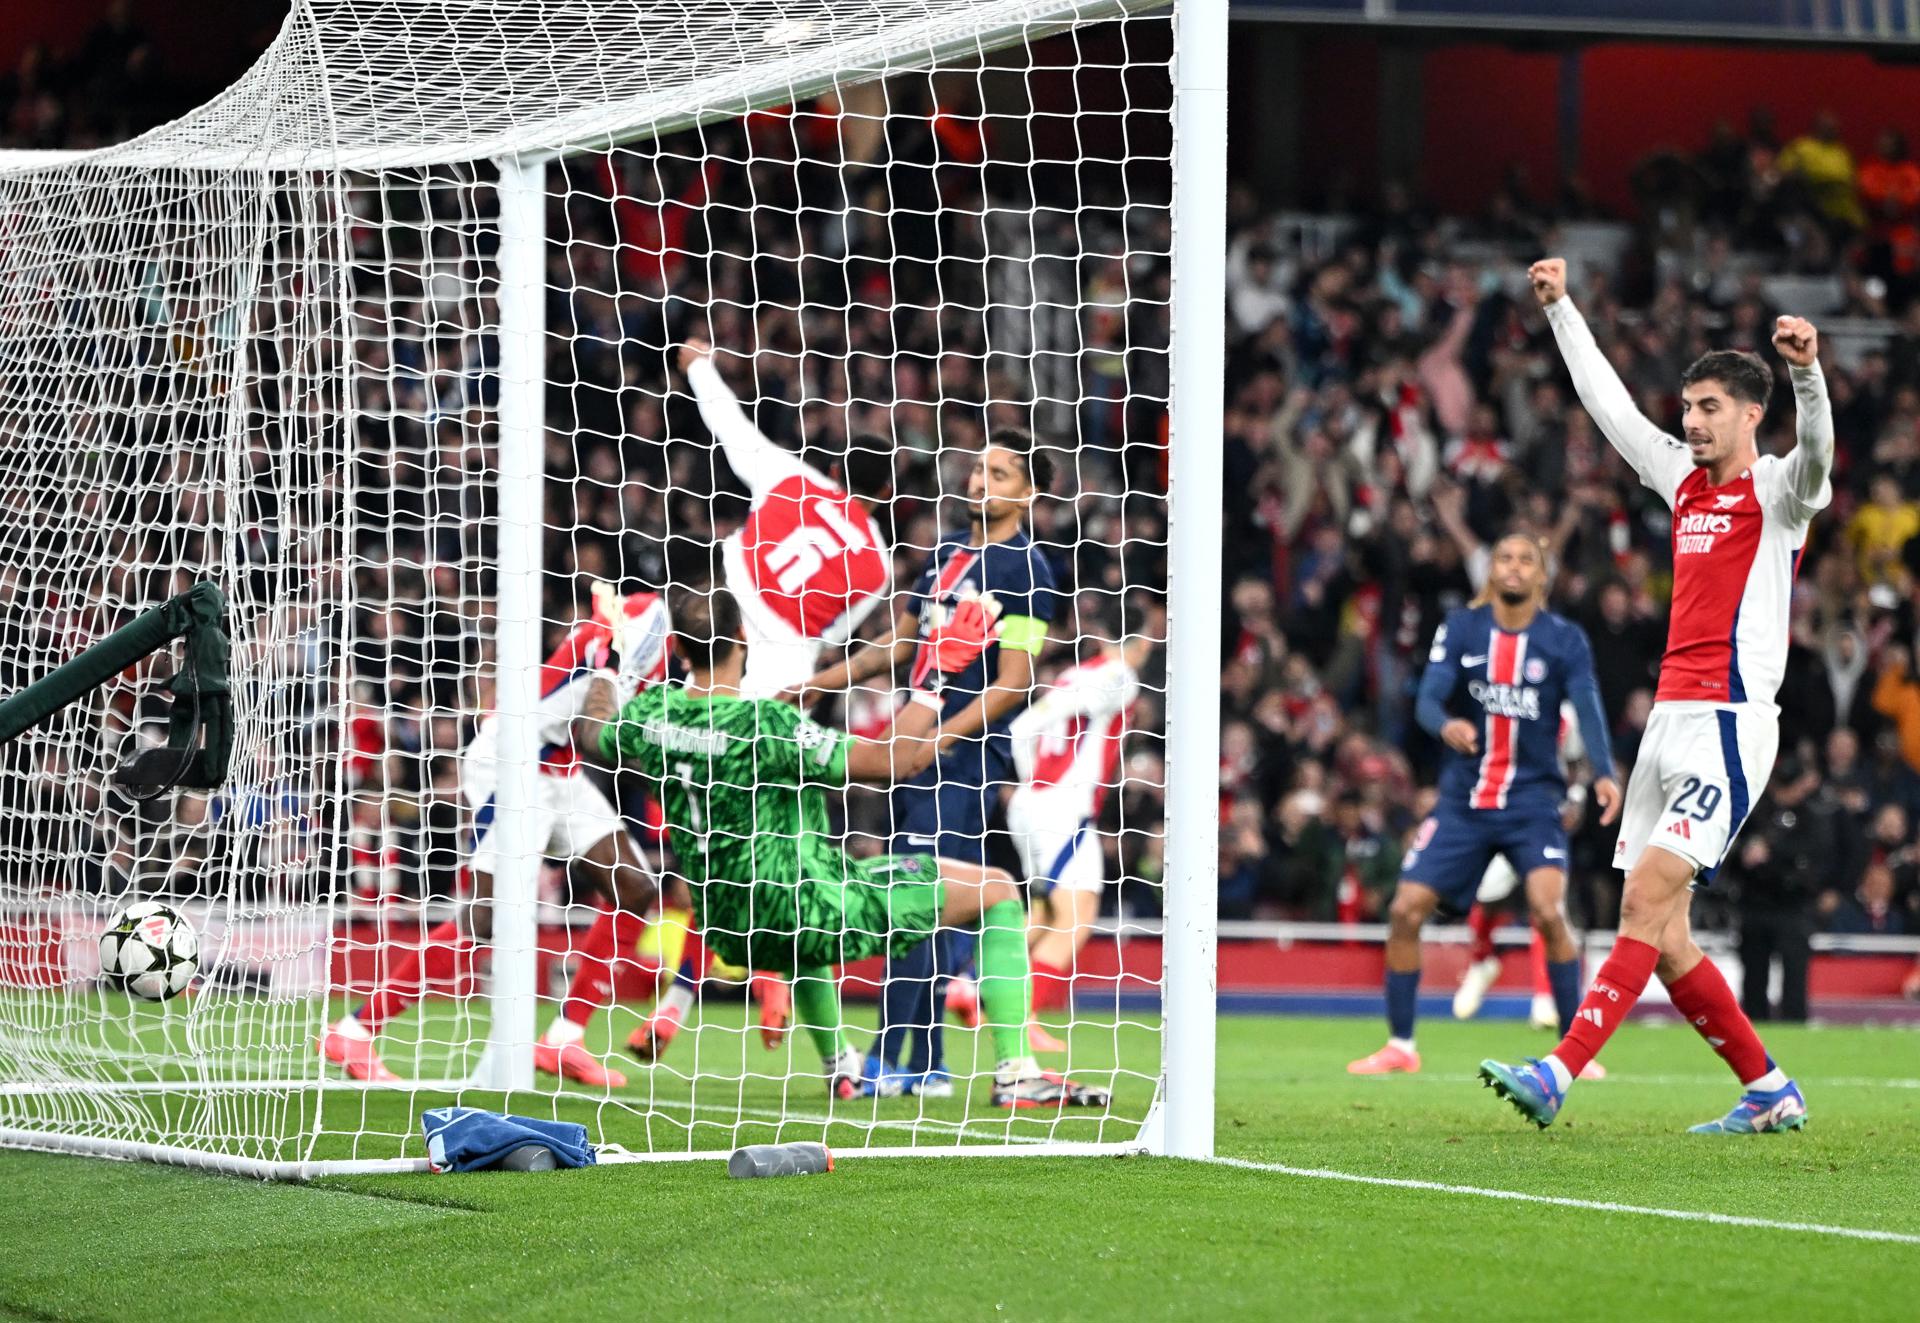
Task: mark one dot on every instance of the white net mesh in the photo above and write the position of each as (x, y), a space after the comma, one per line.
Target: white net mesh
(262, 347)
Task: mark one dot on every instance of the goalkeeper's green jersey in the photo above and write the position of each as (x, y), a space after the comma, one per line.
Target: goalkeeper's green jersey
(742, 782)
(743, 785)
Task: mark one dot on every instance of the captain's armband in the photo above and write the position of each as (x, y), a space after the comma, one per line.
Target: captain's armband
(1023, 633)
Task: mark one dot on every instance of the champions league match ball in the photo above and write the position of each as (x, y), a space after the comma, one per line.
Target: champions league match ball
(150, 952)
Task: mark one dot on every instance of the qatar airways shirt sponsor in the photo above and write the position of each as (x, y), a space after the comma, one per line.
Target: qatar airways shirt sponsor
(1519, 702)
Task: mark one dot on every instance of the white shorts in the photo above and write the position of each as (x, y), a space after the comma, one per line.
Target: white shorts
(569, 815)
(1057, 842)
(1701, 768)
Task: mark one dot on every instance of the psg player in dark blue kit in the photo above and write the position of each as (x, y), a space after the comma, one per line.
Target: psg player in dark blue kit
(1495, 679)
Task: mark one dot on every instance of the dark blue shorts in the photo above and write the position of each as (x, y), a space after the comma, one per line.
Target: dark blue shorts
(1452, 848)
(946, 808)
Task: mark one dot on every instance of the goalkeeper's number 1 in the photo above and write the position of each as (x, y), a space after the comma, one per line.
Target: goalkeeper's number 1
(695, 819)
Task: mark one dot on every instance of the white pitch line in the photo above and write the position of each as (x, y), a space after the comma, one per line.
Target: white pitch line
(1812, 1081)
(1590, 1205)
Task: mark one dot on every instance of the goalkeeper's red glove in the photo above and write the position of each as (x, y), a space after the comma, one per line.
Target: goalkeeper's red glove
(954, 645)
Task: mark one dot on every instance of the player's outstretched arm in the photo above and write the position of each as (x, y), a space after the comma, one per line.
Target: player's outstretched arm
(755, 460)
(1436, 683)
(1811, 463)
(867, 661)
(1583, 688)
(599, 711)
(1057, 706)
(1011, 690)
(912, 743)
(907, 748)
(1659, 459)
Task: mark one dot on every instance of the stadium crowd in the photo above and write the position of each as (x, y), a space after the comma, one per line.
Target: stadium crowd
(1394, 402)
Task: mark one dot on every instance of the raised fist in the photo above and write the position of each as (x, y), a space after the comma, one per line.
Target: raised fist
(695, 349)
(1549, 279)
(1796, 340)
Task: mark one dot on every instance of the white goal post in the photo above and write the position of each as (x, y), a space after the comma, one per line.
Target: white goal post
(383, 341)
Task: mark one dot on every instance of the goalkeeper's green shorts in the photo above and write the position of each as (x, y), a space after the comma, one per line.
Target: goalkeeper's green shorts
(887, 904)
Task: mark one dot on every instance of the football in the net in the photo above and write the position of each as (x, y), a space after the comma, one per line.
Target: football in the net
(150, 952)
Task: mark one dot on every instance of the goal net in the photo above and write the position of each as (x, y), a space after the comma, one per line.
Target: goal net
(389, 343)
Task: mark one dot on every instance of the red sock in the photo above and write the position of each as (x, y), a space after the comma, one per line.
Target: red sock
(1050, 986)
(435, 960)
(1702, 995)
(1608, 1003)
(1480, 922)
(1537, 962)
(609, 941)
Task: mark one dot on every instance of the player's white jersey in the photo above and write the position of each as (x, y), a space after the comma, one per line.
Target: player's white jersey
(809, 561)
(1736, 547)
(564, 680)
(1066, 745)
(1710, 744)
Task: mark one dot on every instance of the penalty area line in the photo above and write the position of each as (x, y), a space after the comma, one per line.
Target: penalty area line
(1557, 1201)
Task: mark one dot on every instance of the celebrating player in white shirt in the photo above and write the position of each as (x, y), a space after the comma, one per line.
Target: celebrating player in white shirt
(1066, 748)
(809, 563)
(1739, 525)
(571, 821)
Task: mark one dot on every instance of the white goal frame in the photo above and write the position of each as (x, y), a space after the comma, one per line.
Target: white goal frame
(1180, 1122)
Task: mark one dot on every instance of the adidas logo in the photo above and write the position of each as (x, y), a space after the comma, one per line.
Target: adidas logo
(1592, 1015)
(1681, 829)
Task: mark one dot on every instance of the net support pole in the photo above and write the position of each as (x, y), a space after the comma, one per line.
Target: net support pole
(522, 426)
(1193, 579)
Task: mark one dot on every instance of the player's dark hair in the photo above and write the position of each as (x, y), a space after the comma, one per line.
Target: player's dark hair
(1038, 463)
(1746, 376)
(867, 467)
(706, 625)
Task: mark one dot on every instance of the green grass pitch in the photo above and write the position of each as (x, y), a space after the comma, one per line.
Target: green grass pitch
(1081, 1238)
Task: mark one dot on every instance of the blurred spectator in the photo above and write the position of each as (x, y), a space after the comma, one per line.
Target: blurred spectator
(1896, 696)
(1783, 854)
(1625, 645)
(1880, 531)
(1819, 162)
(1846, 798)
(32, 101)
(1256, 284)
(1870, 910)
(1243, 860)
(1890, 196)
(1367, 863)
(1887, 844)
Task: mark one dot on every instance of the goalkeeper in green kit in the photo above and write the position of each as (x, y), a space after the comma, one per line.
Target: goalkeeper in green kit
(744, 787)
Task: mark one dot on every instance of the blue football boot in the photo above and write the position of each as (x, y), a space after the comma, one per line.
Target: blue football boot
(1530, 1087)
(1758, 1112)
